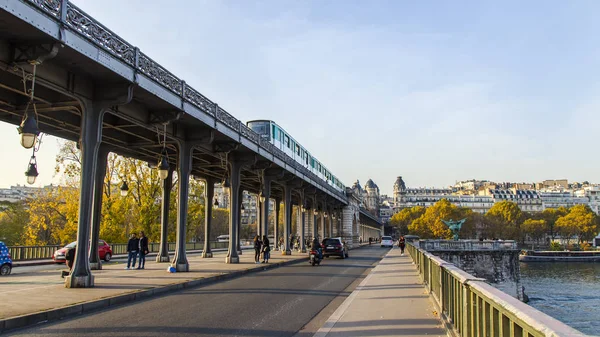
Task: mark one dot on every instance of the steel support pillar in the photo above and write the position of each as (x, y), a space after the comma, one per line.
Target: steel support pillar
(163, 249)
(209, 188)
(322, 229)
(91, 135)
(315, 222)
(234, 212)
(239, 221)
(330, 222)
(302, 233)
(186, 149)
(287, 226)
(264, 209)
(276, 223)
(99, 175)
(259, 227)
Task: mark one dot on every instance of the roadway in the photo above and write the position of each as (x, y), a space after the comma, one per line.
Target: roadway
(288, 301)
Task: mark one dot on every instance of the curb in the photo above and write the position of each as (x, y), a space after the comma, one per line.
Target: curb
(68, 311)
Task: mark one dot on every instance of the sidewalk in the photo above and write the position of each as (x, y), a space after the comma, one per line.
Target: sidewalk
(41, 295)
(390, 301)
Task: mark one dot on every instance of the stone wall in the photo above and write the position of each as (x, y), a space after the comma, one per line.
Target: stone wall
(496, 266)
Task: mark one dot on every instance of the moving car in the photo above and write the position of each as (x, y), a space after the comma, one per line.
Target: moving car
(5, 260)
(387, 241)
(334, 246)
(103, 248)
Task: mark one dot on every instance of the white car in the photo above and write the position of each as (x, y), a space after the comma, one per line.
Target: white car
(386, 241)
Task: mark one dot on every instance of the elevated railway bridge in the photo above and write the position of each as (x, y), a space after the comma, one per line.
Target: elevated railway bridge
(65, 74)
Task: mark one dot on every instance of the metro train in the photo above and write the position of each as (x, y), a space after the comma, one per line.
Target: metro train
(286, 143)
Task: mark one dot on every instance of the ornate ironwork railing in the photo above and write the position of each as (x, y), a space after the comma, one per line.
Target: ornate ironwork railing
(104, 38)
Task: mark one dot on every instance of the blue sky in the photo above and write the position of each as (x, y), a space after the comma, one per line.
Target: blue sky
(435, 91)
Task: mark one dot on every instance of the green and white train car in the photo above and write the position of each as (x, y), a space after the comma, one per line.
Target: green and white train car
(286, 143)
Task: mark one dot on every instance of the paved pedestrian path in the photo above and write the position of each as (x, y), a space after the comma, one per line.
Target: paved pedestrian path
(25, 294)
(390, 301)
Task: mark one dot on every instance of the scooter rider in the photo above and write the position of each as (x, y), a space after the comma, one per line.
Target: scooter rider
(316, 246)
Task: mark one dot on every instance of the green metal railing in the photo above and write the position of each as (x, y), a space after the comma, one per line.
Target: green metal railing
(23, 253)
(474, 308)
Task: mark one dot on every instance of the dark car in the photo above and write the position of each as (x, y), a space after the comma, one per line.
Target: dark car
(5, 260)
(335, 247)
(103, 249)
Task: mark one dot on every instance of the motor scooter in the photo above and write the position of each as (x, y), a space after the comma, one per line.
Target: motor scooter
(314, 257)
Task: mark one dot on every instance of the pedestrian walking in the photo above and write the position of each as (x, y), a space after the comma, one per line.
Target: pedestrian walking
(132, 250)
(143, 249)
(401, 244)
(266, 249)
(257, 249)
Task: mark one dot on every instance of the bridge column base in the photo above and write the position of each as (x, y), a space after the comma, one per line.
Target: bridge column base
(181, 267)
(79, 281)
(96, 265)
(286, 252)
(232, 259)
(162, 259)
(239, 251)
(207, 255)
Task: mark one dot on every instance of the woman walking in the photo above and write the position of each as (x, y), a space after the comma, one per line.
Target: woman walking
(257, 247)
(266, 249)
(401, 244)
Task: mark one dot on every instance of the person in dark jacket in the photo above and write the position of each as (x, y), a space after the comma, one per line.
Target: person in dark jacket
(316, 246)
(257, 248)
(266, 249)
(132, 250)
(401, 244)
(143, 247)
(70, 259)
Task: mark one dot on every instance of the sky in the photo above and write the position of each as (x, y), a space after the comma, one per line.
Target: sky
(433, 91)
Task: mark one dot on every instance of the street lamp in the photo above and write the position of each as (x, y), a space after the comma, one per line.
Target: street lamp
(124, 189)
(216, 203)
(28, 130)
(32, 171)
(316, 212)
(262, 198)
(163, 166)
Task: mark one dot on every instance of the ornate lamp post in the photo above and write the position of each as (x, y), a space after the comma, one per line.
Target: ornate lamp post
(124, 189)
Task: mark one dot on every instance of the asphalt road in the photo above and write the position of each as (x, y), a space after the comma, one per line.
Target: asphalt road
(277, 302)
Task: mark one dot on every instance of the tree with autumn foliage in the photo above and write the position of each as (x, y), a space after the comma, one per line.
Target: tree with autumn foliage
(581, 221)
(430, 225)
(403, 219)
(504, 218)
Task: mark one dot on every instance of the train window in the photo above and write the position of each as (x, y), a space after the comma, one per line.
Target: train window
(287, 141)
(274, 133)
(297, 149)
(262, 128)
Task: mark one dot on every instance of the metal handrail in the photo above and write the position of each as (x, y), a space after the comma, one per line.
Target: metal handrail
(474, 308)
(25, 253)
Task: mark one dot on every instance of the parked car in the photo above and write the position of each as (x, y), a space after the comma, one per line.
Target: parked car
(5, 260)
(103, 248)
(387, 241)
(334, 246)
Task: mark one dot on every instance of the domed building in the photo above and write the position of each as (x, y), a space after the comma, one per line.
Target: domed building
(399, 190)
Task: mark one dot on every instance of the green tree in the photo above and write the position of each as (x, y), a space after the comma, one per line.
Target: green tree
(13, 221)
(535, 229)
